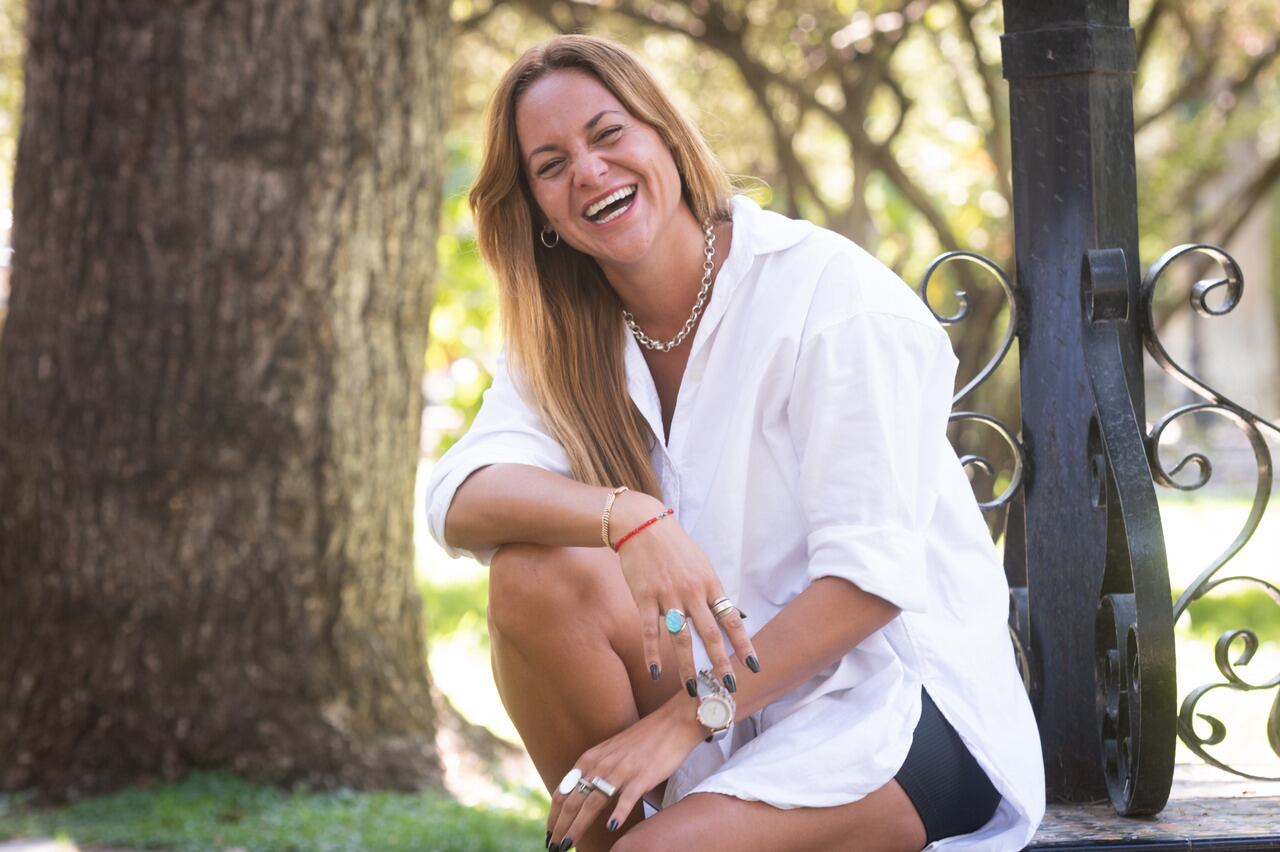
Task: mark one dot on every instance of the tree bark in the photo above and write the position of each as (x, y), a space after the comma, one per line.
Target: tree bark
(210, 393)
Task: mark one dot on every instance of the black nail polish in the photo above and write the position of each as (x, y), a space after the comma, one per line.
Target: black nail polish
(566, 844)
(730, 683)
(654, 671)
(612, 826)
(692, 686)
(742, 615)
(753, 663)
(548, 843)
(554, 847)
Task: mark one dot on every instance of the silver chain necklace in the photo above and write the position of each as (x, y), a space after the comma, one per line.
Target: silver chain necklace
(709, 252)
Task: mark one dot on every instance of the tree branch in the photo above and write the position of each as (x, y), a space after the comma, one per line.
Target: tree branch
(1196, 84)
(470, 23)
(1252, 195)
(1245, 201)
(1148, 28)
(1199, 84)
(997, 137)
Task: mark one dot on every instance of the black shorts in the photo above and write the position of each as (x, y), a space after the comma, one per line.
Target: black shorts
(947, 786)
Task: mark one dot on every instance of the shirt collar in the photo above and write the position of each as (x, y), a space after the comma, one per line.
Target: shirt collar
(755, 232)
(763, 231)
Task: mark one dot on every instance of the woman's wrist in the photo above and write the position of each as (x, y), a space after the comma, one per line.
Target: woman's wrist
(630, 510)
(682, 715)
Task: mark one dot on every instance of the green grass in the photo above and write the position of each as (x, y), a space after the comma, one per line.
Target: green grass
(450, 605)
(1215, 614)
(216, 811)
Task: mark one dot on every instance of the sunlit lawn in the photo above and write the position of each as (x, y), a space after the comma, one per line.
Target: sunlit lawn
(1197, 530)
(218, 811)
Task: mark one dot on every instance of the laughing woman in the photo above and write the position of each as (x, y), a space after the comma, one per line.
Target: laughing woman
(707, 412)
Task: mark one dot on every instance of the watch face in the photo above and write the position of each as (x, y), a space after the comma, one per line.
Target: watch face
(715, 713)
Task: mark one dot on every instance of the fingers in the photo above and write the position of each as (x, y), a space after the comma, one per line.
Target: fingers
(682, 644)
(711, 639)
(651, 634)
(573, 813)
(589, 807)
(628, 796)
(565, 807)
(731, 623)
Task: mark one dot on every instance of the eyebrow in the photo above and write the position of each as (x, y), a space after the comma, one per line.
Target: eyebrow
(588, 126)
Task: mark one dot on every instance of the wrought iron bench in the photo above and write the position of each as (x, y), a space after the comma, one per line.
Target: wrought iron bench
(1090, 611)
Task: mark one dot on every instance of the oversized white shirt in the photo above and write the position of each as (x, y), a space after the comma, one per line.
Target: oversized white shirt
(808, 440)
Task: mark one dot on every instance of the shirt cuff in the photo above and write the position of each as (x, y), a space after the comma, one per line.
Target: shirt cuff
(884, 561)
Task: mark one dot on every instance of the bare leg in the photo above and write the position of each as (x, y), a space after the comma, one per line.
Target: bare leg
(884, 821)
(567, 657)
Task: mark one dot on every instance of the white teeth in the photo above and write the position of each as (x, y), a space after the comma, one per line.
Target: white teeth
(614, 215)
(609, 199)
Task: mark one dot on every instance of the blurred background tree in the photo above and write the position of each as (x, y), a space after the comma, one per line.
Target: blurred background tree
(209, 394)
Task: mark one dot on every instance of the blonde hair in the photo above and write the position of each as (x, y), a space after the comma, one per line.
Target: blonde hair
(561, 319)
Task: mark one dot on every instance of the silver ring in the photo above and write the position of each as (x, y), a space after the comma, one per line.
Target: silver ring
(569, 781)
(585, 787)
(721, 605)
(604, 787)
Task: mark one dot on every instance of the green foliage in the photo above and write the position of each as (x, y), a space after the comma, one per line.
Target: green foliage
(13, 14)
(455, 606)
(464, 327)
(209, 811)
(1219, 612)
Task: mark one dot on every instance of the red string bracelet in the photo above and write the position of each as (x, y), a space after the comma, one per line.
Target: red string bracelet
(643, 526)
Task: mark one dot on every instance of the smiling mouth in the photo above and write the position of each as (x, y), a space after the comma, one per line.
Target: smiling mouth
(612, 205)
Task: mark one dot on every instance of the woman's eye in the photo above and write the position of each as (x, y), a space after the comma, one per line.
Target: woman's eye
(548, 167)
(609, 132)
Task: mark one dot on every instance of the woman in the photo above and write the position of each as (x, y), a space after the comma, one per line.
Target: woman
(750, 412)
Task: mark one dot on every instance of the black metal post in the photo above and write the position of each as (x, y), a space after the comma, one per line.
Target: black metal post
(1070, 67)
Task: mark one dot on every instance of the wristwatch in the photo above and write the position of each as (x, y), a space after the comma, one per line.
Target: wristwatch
(716, 707)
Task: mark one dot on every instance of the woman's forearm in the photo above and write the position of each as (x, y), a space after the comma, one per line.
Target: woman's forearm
(818, 627)
(504, 503)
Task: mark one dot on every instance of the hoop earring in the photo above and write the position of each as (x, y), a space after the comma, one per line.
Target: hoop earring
(549, 243)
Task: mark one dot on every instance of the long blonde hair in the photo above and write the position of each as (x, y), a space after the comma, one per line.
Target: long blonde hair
(561, 318)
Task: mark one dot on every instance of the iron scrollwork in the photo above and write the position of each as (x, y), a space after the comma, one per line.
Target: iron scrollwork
(1231, 284)
(1134, 626)
(1019, 608)
(970, 461)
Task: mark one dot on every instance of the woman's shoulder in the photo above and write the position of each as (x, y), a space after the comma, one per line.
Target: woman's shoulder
(835, 278)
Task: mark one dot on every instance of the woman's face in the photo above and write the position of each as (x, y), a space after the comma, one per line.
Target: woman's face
(602, 178)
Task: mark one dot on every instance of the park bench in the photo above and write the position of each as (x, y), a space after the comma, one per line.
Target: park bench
(1090, 612)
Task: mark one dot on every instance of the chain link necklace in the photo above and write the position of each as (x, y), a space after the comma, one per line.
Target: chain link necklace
(709, 252)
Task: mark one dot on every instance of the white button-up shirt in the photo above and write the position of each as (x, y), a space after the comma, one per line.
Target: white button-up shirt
(809, 440)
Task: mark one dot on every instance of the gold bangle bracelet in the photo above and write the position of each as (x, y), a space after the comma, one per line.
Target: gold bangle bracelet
(608, 509)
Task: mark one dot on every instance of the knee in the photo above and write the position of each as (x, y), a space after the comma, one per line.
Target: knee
(641, 838)
(529, 583)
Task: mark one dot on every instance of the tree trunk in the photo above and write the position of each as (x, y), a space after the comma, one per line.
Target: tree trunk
(210, 393)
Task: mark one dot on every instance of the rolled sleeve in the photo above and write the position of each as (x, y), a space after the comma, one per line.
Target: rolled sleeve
(868, 415)
(507, 430)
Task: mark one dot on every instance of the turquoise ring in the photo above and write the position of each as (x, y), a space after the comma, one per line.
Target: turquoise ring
(675, 620)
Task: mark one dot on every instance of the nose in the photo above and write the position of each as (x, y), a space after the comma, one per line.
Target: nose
(591, 168)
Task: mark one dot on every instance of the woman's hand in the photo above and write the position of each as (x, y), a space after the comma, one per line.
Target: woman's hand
(634, 762)
(665, 569)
